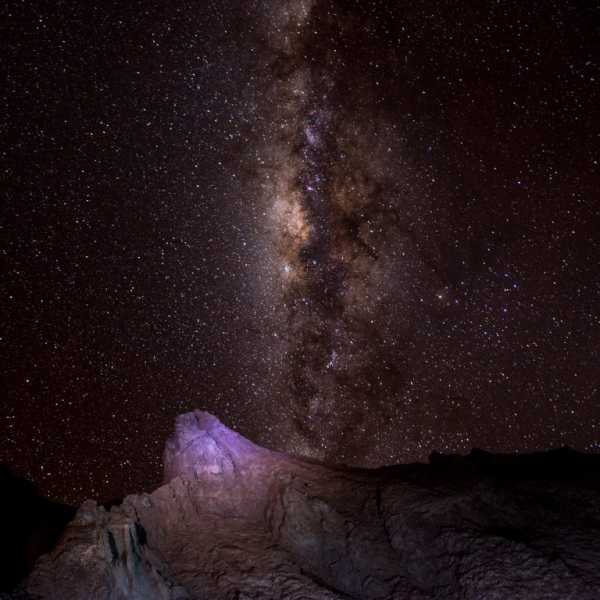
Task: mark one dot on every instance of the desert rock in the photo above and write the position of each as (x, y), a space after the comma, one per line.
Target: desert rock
(236, 521)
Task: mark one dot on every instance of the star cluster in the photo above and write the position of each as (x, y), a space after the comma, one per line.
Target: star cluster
(361, 231)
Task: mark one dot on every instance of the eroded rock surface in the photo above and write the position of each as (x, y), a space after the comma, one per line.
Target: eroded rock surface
(235, 521)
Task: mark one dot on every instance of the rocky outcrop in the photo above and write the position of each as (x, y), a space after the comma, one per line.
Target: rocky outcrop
(107, 556)
(235, 521)
(201, 444)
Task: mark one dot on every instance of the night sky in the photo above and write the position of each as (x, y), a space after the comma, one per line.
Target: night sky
(361, 230)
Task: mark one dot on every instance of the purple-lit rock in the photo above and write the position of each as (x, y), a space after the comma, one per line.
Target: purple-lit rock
(202, 444)
(236, 521)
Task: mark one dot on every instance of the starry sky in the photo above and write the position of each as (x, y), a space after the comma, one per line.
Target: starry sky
(360, 230)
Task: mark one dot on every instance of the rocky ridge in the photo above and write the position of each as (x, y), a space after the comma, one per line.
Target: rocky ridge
(235, 521)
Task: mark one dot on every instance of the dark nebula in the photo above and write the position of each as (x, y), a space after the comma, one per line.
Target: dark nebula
(359, 230)
(338, 371)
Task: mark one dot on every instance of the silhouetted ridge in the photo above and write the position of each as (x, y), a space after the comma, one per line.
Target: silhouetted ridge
(29, 527)
(234, 520)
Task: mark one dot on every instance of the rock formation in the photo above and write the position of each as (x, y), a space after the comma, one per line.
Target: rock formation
(235, 521)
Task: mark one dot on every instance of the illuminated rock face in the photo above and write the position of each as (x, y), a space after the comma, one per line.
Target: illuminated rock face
(236, 521)
(203, 445)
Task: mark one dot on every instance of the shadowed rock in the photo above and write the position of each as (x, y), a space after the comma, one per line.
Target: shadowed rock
(236, 521)
(29, 527)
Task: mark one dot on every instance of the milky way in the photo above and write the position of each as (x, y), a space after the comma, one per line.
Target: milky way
(358, 230)
(328, 214)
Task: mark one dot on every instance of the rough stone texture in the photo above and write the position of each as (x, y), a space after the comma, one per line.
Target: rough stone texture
(235, 521)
